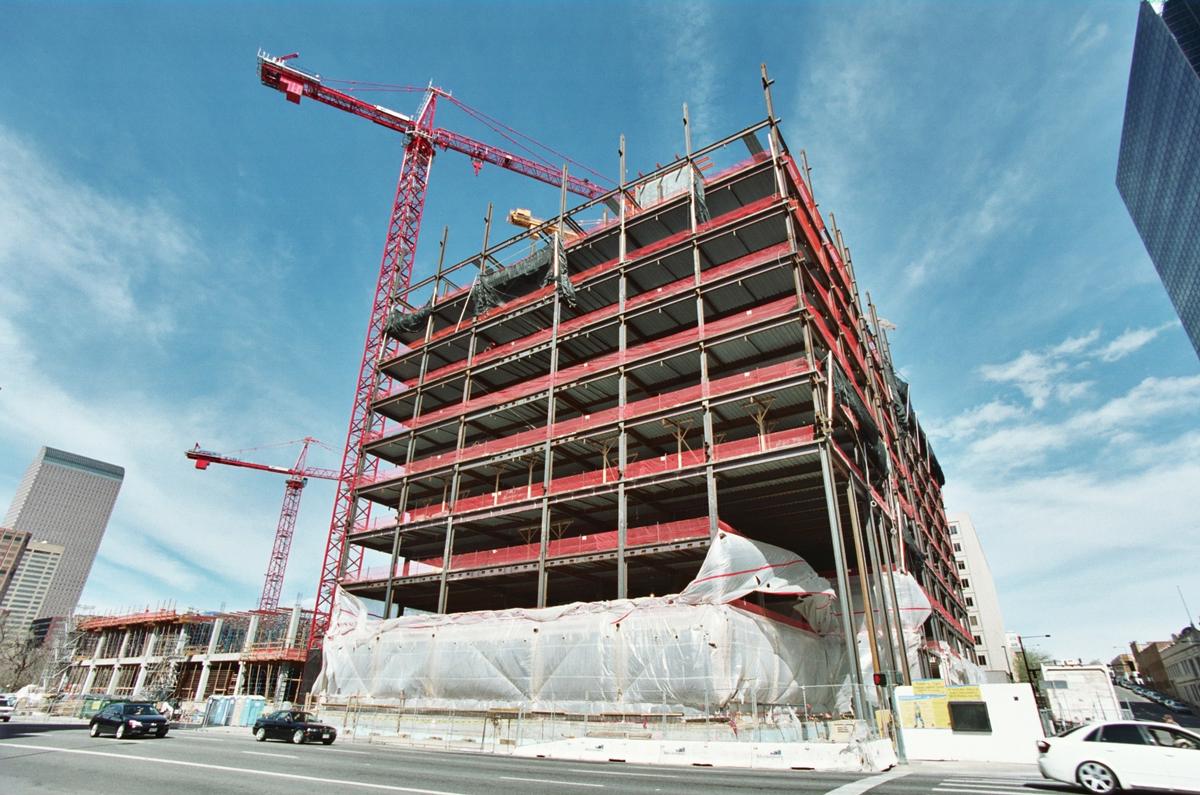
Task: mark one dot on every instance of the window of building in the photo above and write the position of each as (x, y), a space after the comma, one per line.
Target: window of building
(978, 641)
(982, 660)
(953, 529)
(962, 566)
(970, 602)
(974, 621)
(965, 584)
(957, 547)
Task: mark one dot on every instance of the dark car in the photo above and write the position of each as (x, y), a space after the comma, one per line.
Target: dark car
(129, 720)
(294, 726)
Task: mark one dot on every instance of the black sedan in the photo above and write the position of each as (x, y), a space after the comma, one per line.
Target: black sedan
(128, 720)
(294, 726)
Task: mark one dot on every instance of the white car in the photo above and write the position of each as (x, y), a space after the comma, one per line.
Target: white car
(1106, 757)
(8, 705)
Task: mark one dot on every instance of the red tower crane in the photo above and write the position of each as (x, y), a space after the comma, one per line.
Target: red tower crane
(297, 477)
(395, 274)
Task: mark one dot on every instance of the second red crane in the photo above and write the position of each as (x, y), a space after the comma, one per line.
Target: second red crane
(297, 477)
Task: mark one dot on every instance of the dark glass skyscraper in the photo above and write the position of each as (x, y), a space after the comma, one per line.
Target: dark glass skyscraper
(1158, 172)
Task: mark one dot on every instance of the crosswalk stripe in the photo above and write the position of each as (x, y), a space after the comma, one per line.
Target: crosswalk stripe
(864, 784)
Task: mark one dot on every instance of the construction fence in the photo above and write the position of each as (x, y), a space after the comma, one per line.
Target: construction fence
(503, 730)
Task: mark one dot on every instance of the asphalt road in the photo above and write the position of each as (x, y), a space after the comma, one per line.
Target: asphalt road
(62, 758)
(1145, 709)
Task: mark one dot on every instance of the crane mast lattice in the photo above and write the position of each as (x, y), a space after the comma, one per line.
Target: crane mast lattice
(395, 276)
(297, 477)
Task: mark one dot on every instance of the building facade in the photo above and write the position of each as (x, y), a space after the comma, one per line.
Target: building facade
(1123, 666)
(1181, 661)
(189, 656)
(12, 544)
(66, 499)
(31, 585)
(1148, 657)
(984, 618)
(1159, 163)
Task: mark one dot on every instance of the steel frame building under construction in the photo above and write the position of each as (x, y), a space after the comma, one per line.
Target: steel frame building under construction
(165, 654)
(572, 414)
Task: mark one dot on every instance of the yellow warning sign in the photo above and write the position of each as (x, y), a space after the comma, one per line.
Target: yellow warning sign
(927, 708)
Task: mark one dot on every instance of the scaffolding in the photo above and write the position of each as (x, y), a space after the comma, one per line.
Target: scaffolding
(574, 413)
(189, 656)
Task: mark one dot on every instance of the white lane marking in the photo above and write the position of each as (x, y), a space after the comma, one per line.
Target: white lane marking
(981, 790)
(229, 769)
(865, 784)
(552, 781)
(268, 753)
(345, 751)
(202, 739)
(617, 773)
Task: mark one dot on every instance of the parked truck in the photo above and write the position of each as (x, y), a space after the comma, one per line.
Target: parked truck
(1078, 694)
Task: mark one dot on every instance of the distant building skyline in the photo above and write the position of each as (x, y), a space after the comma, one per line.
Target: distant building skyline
(12, 544)
(65, 499)
(31, 584)
(986, 620)
(1158, 168)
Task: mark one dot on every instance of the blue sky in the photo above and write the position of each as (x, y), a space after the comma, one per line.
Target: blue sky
(186, 257)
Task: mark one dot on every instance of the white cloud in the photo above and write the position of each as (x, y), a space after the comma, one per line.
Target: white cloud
(64, 239)
(1086, 35)
(691, 59)
(1027, 443)
(1037, 374)
(1072, 345)
(1049, 372)
(971, 421)
(1152, 398)
(1080, 543)
(92, 283)
(978, 218)
(1132, 340)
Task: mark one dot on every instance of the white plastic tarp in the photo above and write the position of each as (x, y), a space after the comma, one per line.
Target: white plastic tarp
(694, 650)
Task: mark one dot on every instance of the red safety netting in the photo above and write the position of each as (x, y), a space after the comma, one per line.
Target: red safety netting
(589, 422)
(580, 322)
(650, 351)
(946, 615)
(632, 256)
(592, 543)
(664, 464)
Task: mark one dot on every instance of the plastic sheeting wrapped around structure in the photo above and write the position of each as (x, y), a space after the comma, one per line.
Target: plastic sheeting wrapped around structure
(701, 649)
